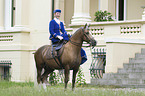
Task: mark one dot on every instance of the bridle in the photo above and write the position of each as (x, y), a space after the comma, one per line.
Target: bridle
(78, 44)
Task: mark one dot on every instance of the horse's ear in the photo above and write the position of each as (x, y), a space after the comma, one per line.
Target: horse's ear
(85, 25)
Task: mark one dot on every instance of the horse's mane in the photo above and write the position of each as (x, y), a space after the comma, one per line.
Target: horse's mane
(77, 31)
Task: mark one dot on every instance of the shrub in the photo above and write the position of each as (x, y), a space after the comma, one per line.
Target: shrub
(53, 79)
(103, 16)
(80, 78)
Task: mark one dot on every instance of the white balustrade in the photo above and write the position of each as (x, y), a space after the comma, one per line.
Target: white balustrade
(99, 31)
(6, 37)
(130, 29)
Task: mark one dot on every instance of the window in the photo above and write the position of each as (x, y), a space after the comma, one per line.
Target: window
(5, 70)
(13, 13)
(52, 8)
(121, 10)
(9, 14)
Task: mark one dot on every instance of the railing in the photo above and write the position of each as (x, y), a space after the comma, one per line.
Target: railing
(5, 66)
(97, 67)
(97, 31)
(131, 29)
(115, 29)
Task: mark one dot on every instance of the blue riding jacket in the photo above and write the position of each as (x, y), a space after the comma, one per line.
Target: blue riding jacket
(56, 29)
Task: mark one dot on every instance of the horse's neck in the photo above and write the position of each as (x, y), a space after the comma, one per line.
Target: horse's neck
(77, 37)
(77, 41)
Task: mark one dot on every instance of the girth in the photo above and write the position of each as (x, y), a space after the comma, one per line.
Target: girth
(59, 53)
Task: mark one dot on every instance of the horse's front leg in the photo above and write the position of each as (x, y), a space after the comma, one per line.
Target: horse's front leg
(74, 77)
(66, 71)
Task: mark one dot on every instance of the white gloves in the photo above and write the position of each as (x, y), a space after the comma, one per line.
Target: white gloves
(60, 37)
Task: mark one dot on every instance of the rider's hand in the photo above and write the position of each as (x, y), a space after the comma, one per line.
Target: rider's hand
(60, 37)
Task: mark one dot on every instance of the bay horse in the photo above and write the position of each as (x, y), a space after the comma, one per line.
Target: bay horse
(70, 57)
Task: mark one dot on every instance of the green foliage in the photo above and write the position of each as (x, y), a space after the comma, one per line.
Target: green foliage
(61, 76)
(103, 16)
(53, 79)
(80, 78)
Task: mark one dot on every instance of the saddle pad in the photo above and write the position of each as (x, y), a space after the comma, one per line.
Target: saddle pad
(47, 53)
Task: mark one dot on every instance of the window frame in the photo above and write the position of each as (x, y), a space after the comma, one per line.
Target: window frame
(9, 15)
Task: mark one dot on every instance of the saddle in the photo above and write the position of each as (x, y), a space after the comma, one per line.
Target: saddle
(53, 51)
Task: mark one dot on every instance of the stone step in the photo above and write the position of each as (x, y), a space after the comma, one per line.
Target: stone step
(136, 60)
(136, 75)
(117, 81)
(134, 65)
(103, 81)
(139, 55)
(124, 75)
(115, 75)
(131, 70)
(132, 81)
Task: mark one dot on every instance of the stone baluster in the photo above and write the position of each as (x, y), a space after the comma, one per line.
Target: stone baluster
(143, 16)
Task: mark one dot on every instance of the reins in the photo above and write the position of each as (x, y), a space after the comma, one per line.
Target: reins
(75, 43)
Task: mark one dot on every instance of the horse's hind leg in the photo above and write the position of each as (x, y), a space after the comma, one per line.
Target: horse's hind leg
(39, 75)
(44, 77)
(39, 69)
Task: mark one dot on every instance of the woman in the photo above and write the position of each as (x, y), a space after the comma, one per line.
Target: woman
(58, 33)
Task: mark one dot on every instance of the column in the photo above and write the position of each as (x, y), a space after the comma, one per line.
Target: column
(104, 5)
(21, 16)
(81, 11)
(143, 16)
(111, 6)
(59, 4)
(1, 14)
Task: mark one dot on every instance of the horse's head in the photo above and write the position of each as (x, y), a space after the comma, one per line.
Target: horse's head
(87, 36)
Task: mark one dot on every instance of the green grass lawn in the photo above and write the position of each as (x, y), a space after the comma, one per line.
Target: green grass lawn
(28, 89)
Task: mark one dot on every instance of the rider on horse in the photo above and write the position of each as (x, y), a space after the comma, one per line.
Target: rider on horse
(58, 33)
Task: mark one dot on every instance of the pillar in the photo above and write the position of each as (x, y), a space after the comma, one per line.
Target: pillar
(104, 5)
(143, 16)
(59, 4)
(1, 14)
(21, 16)
(81, 11)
